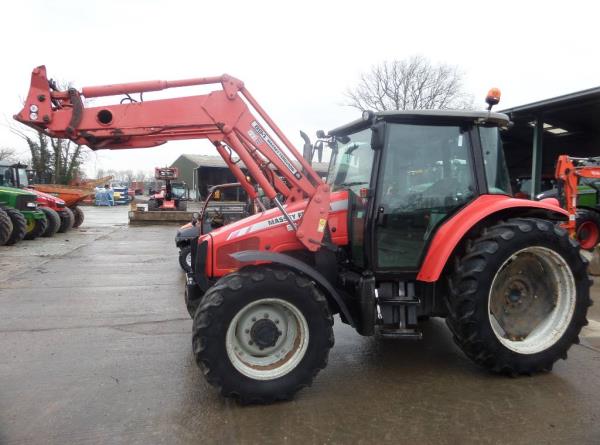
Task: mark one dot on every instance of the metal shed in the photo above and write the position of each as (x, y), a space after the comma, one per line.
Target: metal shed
(542, 130)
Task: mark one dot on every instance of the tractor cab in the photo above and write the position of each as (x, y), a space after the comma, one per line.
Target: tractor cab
(407, 172)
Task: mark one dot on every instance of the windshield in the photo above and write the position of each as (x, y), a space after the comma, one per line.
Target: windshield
(6, 178)
(496, 172)
(23, 180)
(178, 190)
(351, 162)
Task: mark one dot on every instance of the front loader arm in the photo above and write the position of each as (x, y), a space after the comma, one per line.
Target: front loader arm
(222, 116)
(568, 172)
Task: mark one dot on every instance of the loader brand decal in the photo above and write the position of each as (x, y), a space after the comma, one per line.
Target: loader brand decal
(262, 134)
(275, 221)
(335, 206)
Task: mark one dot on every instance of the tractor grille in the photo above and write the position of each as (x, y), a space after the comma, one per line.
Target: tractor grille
(23, 200)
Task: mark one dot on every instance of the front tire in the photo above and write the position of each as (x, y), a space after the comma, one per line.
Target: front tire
(66, 220)
(53, 219)
(185, 258)
(36, 228)
(78, 217)
(19, 226)
(262, 333)
(519, 297)
(6, 227)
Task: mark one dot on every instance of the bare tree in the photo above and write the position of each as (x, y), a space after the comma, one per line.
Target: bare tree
(7, 154)
(410, 84)
(52, 159)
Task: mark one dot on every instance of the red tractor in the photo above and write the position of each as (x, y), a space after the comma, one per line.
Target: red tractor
(414, 220)
(173, 195)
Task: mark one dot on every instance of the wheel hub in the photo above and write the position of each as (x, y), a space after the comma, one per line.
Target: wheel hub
(528, 299)
(267, 338)
(264, 333)
(531, 299)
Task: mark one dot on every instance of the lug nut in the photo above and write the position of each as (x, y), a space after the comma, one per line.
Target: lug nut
(253, 319)
(250, 342)
(266, 315)
(276, 321)
(247, 331)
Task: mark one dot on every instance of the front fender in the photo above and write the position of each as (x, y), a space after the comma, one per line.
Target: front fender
(186, 234)
(452, 232)
(251, 256)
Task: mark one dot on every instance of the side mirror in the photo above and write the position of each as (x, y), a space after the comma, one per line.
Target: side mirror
(319, 150)
(321, 134)
(377, 135)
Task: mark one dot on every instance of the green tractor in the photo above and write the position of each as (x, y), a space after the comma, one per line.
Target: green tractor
(26, 221)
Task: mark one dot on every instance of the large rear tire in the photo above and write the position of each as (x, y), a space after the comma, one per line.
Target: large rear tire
(519, 297)
(78, 215)
(36, 228)
(19, 226)
(53, 219)
(262, 333)
(588, 228)
(66, 220)
(6, 227)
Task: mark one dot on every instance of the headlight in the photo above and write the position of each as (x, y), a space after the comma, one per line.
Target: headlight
(31, 205)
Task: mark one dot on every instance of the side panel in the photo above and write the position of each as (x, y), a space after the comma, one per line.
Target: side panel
(452, 232)
(270, 231)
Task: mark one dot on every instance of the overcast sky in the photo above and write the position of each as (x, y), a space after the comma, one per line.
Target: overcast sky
(296, 58)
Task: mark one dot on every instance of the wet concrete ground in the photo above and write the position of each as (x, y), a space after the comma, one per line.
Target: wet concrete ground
(95, 348)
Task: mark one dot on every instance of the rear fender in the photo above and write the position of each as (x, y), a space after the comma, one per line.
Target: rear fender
(252, 256)
(482, 210)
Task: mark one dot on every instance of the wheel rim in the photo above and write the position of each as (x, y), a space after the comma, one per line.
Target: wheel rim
(267, 339)
(587, 234)
(532, 300)
(30, 225)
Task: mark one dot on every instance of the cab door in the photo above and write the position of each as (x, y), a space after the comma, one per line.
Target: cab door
(425, 175)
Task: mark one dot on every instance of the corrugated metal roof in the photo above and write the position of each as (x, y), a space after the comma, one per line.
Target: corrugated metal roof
(218, 162)
(574, 99)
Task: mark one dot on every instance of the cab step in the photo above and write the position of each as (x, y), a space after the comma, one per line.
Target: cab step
(401, 333)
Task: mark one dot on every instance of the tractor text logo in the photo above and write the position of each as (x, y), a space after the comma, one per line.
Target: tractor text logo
(281, 219)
